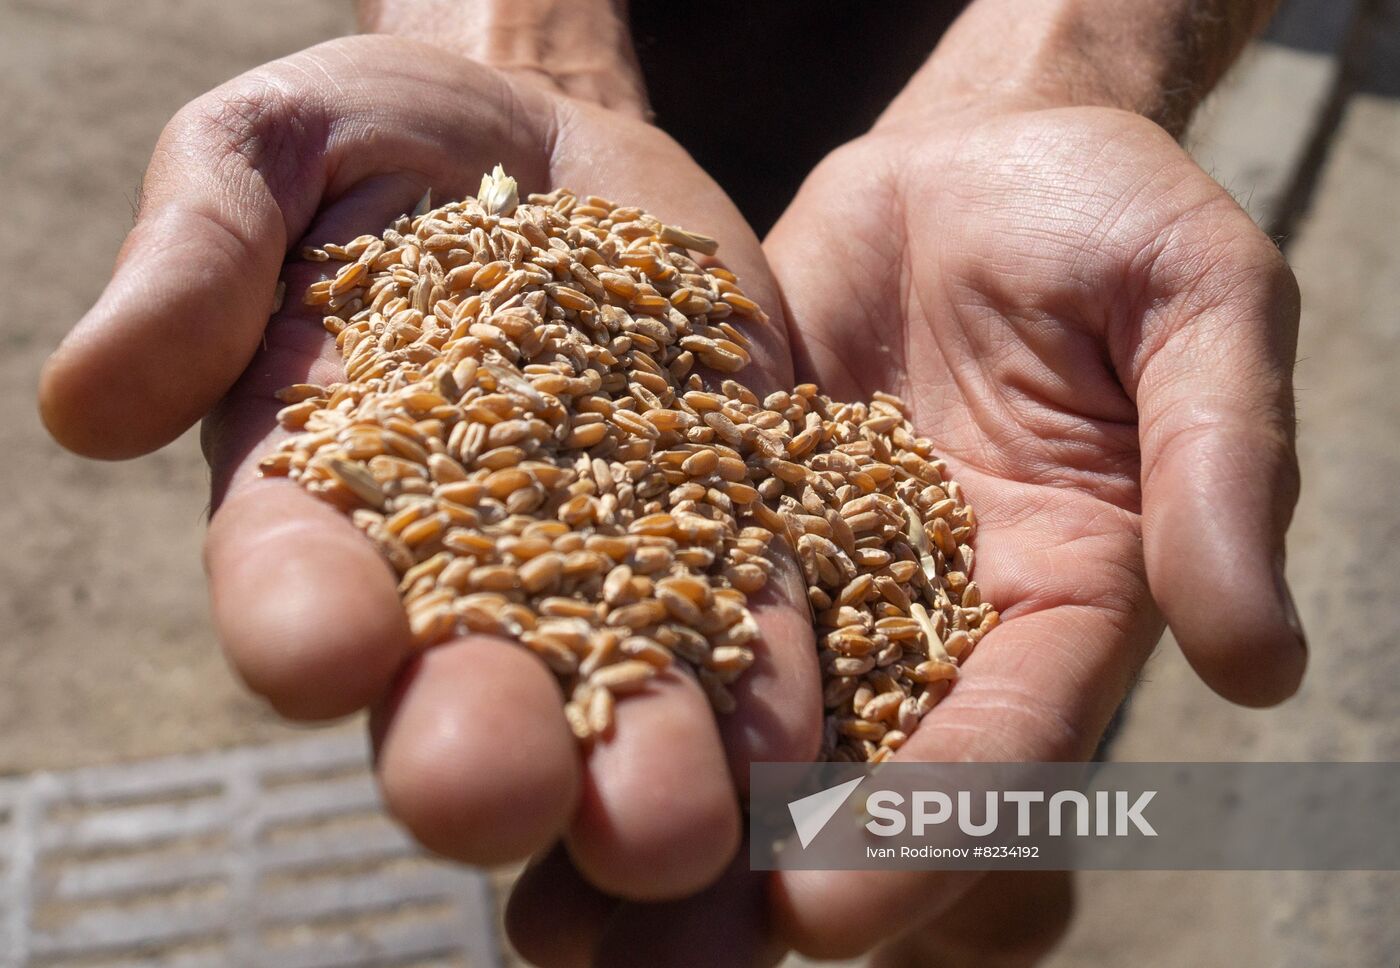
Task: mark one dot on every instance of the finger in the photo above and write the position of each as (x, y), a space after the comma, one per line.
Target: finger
(555, 918)
(235, 177)
(1002, 709)
(777, 714)
(1040, 687)
(1220, 475)
(1007, 918)
(194, 281)
(307, 611)
(726, 924)
(657, 817)
(474, 755)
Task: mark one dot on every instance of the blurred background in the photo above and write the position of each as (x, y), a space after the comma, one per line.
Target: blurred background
(151, 813)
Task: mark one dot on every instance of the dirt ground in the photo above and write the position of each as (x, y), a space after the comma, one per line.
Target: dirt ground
(107, 650)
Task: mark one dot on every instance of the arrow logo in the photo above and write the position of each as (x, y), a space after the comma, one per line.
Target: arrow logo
(811, 813)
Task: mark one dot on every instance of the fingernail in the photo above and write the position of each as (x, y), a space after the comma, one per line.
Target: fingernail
(1285, 597)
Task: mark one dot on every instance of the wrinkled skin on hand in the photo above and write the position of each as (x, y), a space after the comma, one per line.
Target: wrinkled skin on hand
(1101, 343)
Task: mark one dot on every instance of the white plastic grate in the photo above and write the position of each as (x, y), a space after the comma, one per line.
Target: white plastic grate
(270, 857)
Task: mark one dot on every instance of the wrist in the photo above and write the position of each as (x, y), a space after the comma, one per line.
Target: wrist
(1155, 59)
(577, 48)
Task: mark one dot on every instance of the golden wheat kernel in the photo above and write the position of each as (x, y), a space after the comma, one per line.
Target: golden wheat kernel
(489, 342)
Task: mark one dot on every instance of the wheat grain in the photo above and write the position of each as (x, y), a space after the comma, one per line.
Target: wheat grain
(522, 434)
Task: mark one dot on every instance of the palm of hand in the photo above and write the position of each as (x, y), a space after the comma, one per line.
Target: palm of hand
(1037, 287)
(978, 275)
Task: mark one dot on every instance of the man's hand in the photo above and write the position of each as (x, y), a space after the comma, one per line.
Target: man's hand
(473, 751)
(1101, 343)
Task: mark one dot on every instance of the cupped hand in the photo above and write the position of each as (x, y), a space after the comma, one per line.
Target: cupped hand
(473, 751)
(1100, 343)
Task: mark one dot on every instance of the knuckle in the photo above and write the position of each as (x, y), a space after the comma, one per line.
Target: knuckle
(238, 118)
(262, 122)
(1217, 283)
(1251, 258)
(1218, 250)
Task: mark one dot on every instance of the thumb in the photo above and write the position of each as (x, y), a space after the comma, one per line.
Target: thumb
(194, 283)
(1214, 391)
(236, 177)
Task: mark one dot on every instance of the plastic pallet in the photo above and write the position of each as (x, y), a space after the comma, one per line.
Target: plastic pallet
(265, 857)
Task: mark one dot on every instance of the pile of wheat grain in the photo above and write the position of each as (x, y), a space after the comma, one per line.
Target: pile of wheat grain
(523, 432)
